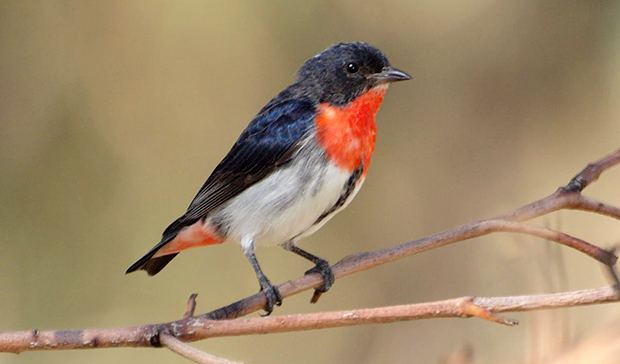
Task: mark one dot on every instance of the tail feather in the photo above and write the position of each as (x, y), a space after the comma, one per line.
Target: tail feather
(182, 234)
(152, 265)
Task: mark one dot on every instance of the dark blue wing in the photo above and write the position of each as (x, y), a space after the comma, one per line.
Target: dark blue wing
(268, 142)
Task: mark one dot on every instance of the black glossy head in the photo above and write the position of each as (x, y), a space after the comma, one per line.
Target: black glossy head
(346, 70)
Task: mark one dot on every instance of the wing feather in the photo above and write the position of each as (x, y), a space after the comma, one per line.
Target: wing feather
(269, 141)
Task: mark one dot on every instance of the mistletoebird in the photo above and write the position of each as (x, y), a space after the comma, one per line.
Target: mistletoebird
(299, 162)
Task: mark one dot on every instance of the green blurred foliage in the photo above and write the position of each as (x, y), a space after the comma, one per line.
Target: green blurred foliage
(113, 113)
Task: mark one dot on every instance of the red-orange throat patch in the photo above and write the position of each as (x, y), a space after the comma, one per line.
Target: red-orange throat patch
(348, 133)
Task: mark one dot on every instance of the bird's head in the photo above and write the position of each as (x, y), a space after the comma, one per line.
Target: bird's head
(345, 71)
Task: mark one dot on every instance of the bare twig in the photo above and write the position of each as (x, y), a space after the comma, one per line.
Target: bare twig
(190, 307)
(591, 205)
(190, 352)
(566, 197)
(192, 328)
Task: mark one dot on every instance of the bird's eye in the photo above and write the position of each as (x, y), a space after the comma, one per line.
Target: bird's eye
(352, 67)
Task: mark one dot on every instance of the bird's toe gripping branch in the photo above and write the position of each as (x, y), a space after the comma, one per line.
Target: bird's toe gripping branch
(272, 296)
(323, 268)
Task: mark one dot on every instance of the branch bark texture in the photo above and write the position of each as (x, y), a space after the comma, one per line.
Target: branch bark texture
(197, 328)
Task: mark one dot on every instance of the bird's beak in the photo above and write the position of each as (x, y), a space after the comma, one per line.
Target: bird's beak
(390, 74)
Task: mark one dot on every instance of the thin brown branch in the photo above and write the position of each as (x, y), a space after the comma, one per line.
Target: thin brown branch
(570, 241)
(592, 172)
(589, 204)
(481, 307)
(209, 325)
(190, 307)
(190, 352)
(195, 328)
(566, 197)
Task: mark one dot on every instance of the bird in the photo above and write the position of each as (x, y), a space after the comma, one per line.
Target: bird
(299, 162)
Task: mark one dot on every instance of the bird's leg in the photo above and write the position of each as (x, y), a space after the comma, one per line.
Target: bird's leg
(271, 292)
(321, 266)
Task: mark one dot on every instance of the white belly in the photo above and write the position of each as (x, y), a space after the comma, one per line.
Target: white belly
(286, 204)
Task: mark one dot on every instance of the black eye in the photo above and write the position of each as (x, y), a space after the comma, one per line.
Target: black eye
(352, 67)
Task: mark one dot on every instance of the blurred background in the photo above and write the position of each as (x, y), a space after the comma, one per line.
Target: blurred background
(113, 113)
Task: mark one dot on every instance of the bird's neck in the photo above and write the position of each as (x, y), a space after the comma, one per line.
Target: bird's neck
(348, 133)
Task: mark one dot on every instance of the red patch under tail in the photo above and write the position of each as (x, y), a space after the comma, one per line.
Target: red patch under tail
(198, 234)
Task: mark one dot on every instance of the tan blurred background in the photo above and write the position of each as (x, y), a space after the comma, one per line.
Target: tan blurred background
(112, 113)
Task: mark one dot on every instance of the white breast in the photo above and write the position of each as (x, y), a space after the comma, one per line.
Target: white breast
(287, 203)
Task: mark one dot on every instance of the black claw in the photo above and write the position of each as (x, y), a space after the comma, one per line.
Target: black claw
(273, 297)
(322, 267)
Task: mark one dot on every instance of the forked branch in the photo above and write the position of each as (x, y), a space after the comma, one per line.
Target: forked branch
(211, 324)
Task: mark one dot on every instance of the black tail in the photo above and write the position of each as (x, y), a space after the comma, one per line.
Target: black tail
(153, 265)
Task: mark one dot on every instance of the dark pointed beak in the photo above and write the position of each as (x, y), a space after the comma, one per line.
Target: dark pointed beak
(390, 74)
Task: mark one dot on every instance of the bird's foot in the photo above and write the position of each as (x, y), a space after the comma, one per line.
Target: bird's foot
(272, 295)
(322, 267)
